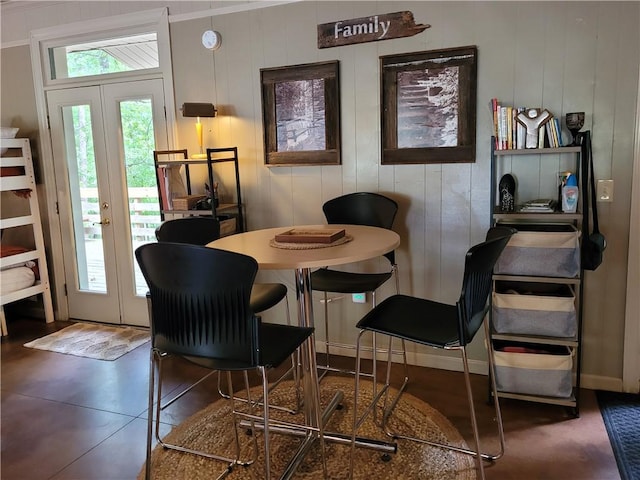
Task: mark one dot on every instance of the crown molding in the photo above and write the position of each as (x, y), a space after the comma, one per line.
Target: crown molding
(10, 8)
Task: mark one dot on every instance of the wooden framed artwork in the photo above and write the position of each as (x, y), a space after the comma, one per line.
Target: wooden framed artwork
(428, 106)
(301, 114)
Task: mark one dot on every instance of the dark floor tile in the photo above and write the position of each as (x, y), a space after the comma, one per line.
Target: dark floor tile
(119, 457)
(41, 437)
(72, 418)
(117, 386)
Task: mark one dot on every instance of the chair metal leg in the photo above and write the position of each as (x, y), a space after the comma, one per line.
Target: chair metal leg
(157, 358)
(494, 390)
(295, 366)
(357, 421)
(354, 427)
(326, 368)
(294, 372)
(236, 437)
(327, 354)
(477, 453)
(152, 374)
(314, 381)
(265, 419)
(472, 412)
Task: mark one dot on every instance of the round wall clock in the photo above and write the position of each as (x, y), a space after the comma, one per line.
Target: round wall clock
(211, 40)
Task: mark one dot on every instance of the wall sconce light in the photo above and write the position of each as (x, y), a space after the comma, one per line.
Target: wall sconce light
(199, 110)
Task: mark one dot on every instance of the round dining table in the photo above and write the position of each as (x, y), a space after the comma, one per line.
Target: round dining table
(364, 243)
(360, 242)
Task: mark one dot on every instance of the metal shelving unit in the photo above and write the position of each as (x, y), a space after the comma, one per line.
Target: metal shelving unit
(214, 156)
(574, 283)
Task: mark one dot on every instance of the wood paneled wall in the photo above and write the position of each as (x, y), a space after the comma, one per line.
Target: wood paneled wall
(564, 56)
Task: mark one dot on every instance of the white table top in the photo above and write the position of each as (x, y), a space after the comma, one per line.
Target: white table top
(368, 242)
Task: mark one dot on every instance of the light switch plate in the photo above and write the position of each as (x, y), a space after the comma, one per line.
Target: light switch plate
(604, 190)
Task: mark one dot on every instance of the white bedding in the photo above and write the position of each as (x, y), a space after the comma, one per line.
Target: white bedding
(13, 279)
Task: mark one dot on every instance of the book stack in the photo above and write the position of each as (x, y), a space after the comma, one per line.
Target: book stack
(510, 134)
(540, 205)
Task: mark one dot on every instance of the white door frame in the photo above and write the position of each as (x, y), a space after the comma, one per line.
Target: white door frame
(631, 357)
(156, 19)
(123, 299)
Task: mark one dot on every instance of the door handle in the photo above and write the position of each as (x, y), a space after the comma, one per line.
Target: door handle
(104, 222)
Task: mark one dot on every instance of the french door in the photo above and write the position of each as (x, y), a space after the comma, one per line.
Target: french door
(103, 139)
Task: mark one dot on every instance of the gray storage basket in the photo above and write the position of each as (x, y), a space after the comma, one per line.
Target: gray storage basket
(547, 374)
(534, 309)
(543, 250)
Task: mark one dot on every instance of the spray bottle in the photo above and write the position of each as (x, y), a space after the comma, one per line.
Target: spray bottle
(570, 194)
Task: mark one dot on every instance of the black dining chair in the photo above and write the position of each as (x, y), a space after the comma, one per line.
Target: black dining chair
(199, 304)
(442, 326)
(201, 230)
(360, 208)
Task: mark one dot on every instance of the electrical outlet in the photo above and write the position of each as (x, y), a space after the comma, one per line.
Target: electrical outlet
(359, 297)
(604, 191)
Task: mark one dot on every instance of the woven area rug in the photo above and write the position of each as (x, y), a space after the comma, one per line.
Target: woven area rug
(621, 415)
(210, 430)
(92, 341)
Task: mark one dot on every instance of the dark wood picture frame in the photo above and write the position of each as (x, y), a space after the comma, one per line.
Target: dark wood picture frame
(428, 106)
(301, 114)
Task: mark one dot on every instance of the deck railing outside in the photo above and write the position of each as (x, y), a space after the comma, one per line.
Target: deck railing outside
(144, 211)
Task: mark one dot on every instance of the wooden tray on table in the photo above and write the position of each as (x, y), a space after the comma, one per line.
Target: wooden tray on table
(303, 235)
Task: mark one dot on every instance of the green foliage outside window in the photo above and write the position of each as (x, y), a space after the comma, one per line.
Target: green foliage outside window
(136, 118)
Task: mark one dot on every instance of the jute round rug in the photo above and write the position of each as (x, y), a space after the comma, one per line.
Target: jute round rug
(210, 430)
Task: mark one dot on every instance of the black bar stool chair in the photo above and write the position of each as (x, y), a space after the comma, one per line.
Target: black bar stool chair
(200, 230)
(360, 208)
(443, 326)
(200, 310)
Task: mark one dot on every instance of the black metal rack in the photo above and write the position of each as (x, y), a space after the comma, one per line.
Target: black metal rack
(574, 283)
(214, 156)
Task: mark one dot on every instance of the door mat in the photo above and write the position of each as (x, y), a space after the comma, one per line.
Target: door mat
(92, 341)
(621, 415)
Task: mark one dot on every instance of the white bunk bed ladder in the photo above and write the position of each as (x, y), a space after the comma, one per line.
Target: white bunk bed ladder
(19, 182)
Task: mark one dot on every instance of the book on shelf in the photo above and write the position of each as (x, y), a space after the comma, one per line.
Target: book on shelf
(550, 140)
(511, 134)
(521, 131)
(163, 184)
(540, 205)
(556, 122)
(541, 136)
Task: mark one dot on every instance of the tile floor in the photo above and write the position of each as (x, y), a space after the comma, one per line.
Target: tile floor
(65, 417)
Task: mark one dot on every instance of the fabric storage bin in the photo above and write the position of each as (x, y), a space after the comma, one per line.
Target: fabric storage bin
(544, 250)
(548, 373)
(534, 309)
(227, 225)
(187, 202)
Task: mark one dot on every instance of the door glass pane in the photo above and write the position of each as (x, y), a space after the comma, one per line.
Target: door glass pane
(136, 117)
(111, 55)
(83, 192)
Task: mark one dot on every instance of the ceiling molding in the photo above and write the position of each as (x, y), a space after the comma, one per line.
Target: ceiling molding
(17, 9)
(212, 12)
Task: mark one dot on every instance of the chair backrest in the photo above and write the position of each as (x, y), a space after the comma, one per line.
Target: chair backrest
(198, 230)
(362, 208)
(500, 231)
(200, 302)
(476, 285)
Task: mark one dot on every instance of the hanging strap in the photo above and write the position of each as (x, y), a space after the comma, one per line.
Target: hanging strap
(588, 184)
